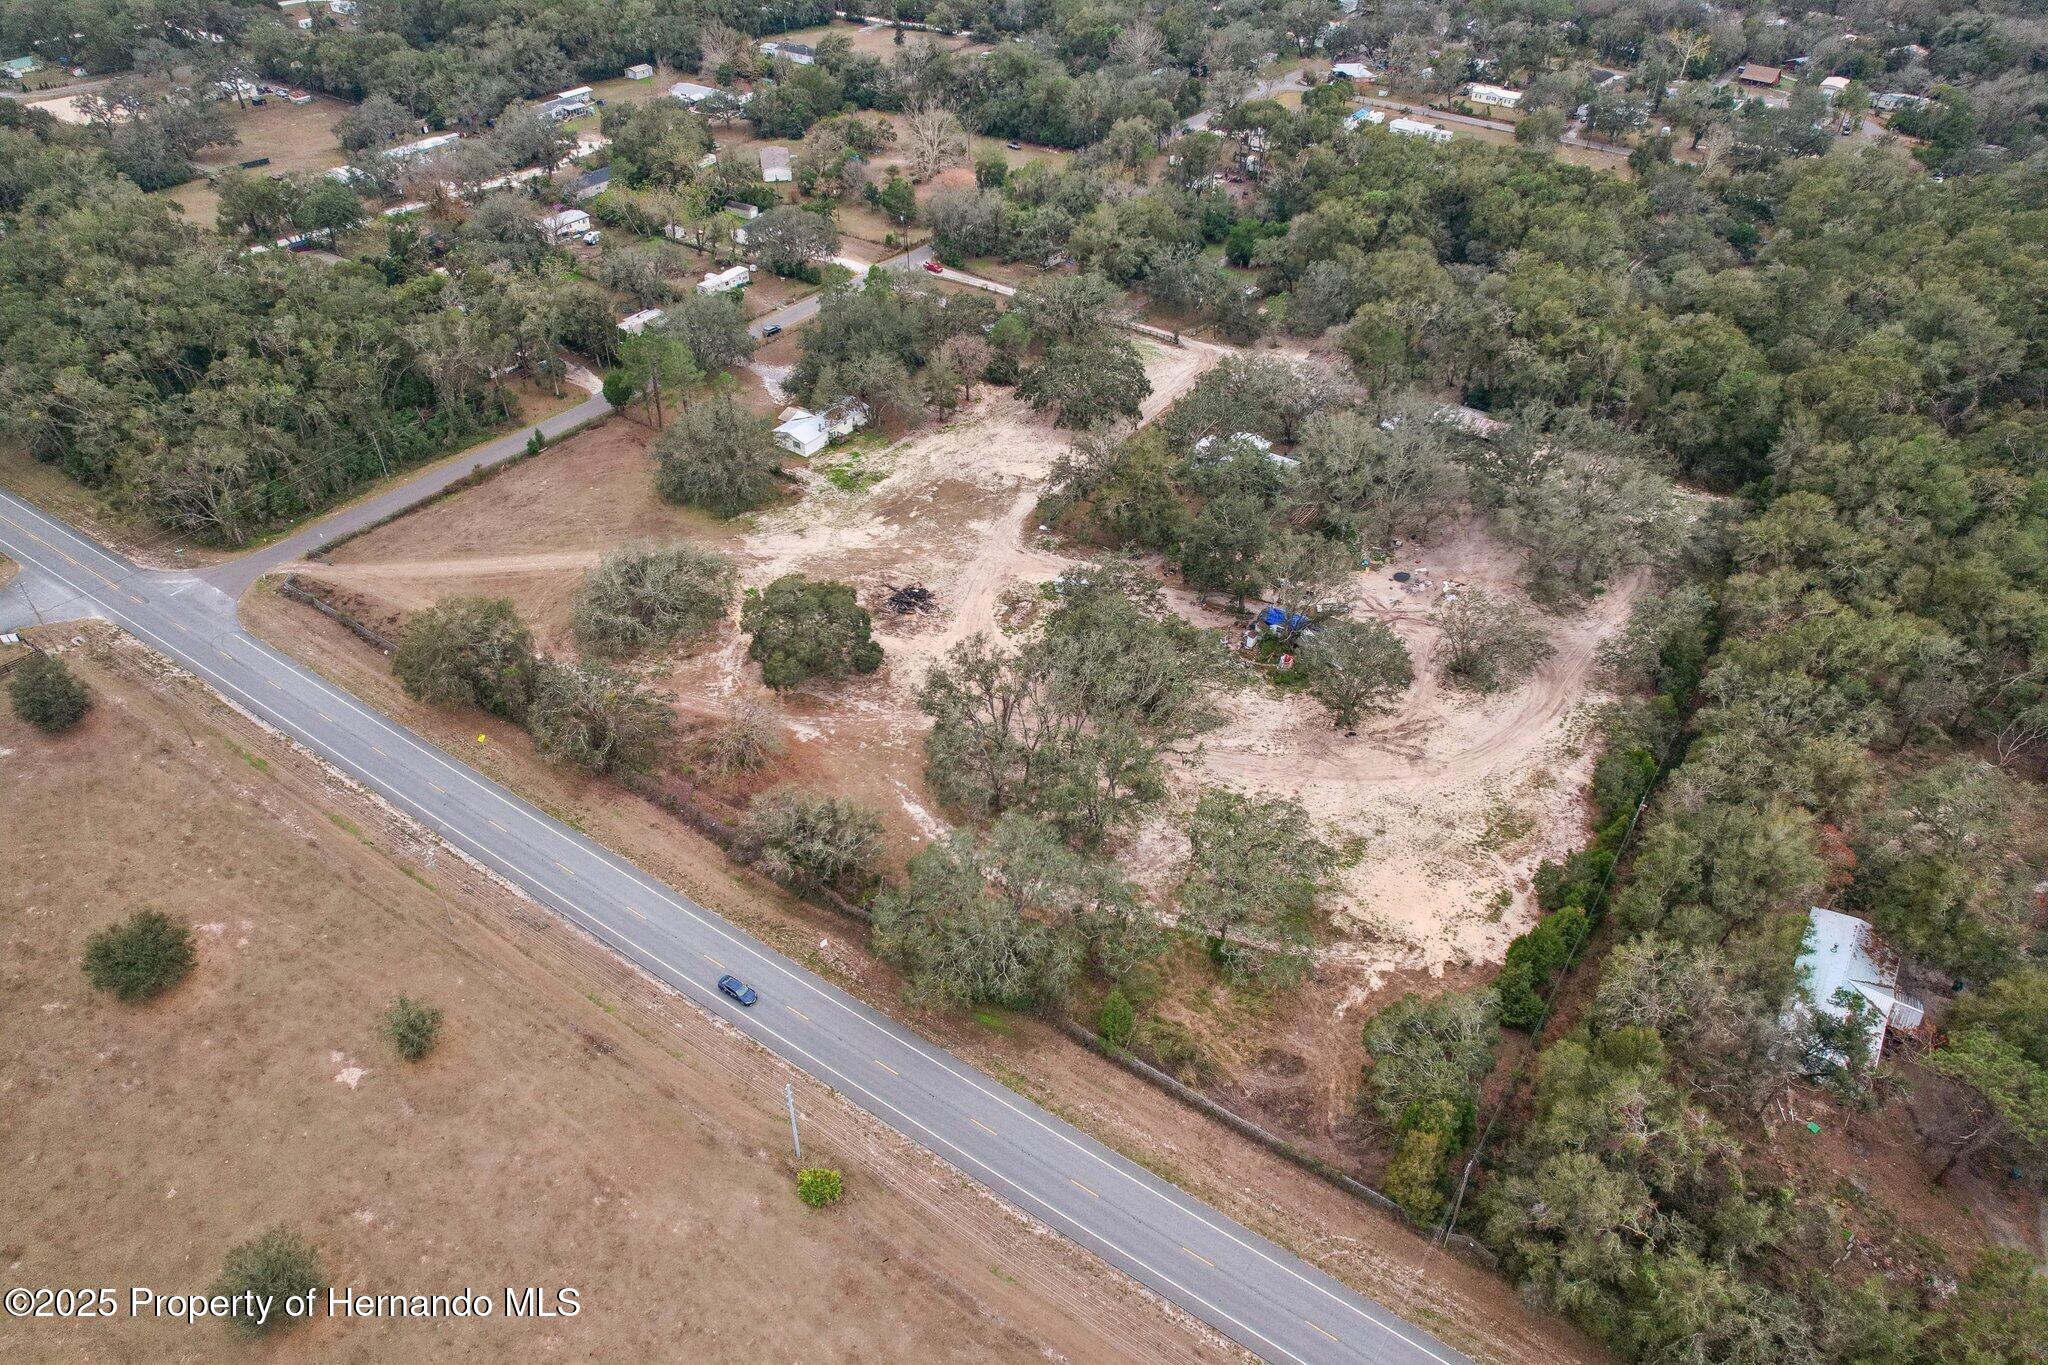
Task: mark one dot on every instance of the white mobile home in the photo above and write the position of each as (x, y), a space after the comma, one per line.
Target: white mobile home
(640, 321)
(565, 223)
(725, 281)
(1497, 95)
(1408, 127)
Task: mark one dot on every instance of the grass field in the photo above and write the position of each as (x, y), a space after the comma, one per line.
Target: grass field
(575, 1127)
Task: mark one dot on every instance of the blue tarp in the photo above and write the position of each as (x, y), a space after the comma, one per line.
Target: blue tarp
(1273, 618)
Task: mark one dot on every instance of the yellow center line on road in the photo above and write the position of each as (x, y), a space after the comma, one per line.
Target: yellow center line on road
(1082, 1188)
(225, 655)
(979, 1124)
(634, 913)
(501, 829)
(798, 1013)
(438, 787)
(379, 752)
(886, 1067)
(565, 871)
(1206, 1261)
(714, 962)
(1332, 1336)
(181, 626)
(324, 716)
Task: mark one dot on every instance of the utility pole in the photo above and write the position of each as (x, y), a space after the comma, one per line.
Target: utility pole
(789, 1094)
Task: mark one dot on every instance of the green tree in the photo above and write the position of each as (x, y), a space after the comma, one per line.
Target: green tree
(143, 955)
(719, 457)
(45, 695)
(598, 718)
(1429, 1051)
(276, 1266)
(327, 209)
(1355, 668)
(1488, 641)
(807, 839)
(803, 629)
(468, 651)
(1086, 385)
(1257, 871)
(651, 597)
(412, 1028)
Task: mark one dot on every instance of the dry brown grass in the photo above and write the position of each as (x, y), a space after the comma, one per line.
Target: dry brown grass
(576, 1126)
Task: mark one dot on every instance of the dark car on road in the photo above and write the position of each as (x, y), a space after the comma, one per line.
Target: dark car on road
(737, 989)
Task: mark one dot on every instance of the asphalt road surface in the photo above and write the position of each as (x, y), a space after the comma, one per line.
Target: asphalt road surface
(1251, 1290)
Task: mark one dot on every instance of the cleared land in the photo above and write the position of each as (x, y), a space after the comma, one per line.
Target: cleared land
(575, 1127)
(298, 139)
(1456, 799)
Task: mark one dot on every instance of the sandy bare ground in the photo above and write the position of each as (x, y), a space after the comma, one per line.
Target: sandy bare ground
(1459, 797)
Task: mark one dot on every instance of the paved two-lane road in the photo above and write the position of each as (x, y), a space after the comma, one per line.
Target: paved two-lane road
(1253, 1291)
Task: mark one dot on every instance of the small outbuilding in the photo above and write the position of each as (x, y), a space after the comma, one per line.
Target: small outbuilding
(775, 165)
(640, 71)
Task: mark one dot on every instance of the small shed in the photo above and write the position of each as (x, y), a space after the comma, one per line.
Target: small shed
(775, 165)
(1833, 86)
(640, 71)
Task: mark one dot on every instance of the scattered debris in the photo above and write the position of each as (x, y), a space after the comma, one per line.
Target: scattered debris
(916, 597)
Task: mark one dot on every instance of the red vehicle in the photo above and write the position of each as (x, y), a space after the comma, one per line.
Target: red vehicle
(935, 267)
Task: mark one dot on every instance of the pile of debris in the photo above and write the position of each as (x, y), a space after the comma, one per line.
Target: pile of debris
(916, 597)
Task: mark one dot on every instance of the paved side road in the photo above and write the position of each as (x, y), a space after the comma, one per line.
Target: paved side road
(1261, 1296)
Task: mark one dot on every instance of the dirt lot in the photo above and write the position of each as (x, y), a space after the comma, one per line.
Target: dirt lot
(1475, 1310)
(575, 1126)
(1456, 799)
(298, 138)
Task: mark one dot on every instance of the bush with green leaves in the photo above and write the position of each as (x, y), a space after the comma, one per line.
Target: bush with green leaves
(809, 839)
(819, 1186)
(143, 955)
(650, 597)
(468, 651)
(411, 1027)
(1116, 1021)
(273, 1267)
(45, 694)
(1429, 1050)
(805, 628)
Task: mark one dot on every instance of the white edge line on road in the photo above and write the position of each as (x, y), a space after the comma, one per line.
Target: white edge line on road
(711, 923)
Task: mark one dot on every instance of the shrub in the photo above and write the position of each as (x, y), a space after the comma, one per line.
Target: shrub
(743, 739)
(597, 717)
(1415, 1176)
(1115, 1024)
(644, 598)
(468, 651)
(805, 839)
(46, 696)
(819, 1186)
(804, 629)
(412, 1027)
(276, 1266)
(1488, 641)
(143, 955)
(1356, 668)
